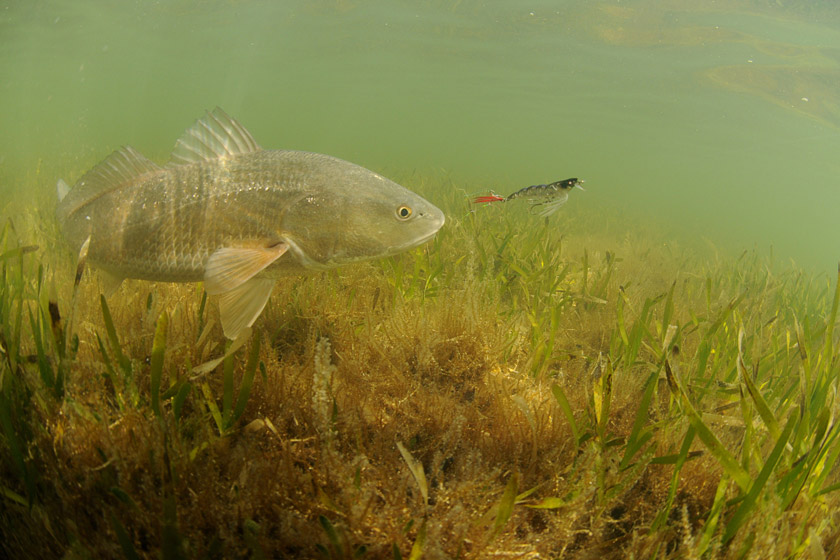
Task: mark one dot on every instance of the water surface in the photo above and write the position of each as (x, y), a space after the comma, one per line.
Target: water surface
(723, 122)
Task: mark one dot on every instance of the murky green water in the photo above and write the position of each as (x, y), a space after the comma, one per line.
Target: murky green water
(635, 97)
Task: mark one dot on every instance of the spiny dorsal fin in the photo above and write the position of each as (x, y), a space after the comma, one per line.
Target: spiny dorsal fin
(213, 136)
(122, 166)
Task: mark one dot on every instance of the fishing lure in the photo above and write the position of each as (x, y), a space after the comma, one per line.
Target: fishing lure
(550, 197)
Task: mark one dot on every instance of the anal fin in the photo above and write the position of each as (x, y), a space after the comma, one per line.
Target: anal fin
(110, 282)
(240, 307)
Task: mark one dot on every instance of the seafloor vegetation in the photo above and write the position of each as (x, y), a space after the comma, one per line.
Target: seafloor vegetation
(519, 387)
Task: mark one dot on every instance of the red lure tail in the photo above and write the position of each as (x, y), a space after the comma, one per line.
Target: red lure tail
(488, 198)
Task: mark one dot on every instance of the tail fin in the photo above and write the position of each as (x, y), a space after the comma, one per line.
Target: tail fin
(488, 198)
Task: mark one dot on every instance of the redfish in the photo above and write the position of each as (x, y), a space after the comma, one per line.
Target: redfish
(230, 214)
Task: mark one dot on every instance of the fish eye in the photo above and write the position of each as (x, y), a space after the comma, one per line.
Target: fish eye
(403, 212)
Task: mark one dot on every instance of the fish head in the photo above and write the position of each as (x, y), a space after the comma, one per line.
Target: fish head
(354, 214)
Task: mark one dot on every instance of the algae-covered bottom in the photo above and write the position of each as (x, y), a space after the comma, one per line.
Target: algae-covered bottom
(518, 387)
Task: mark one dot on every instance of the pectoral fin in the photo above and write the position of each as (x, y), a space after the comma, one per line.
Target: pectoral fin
(61, 189)
(230, 267)
(240, 307)
(80, 264)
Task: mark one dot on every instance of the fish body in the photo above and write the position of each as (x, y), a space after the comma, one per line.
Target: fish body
(551, 196)
(228, 213)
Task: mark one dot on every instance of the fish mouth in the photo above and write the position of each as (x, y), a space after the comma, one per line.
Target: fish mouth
(396, 249)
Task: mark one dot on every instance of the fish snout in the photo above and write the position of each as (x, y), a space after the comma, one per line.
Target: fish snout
(435, 215)
(434, 218)
(428, 221)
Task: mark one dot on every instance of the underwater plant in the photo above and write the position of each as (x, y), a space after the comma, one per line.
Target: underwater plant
(513, 387)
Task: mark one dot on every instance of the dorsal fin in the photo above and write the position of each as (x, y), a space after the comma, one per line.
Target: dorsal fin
(122, 166)
(215, 135)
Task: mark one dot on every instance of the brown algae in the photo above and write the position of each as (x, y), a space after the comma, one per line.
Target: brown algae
(516, 387)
